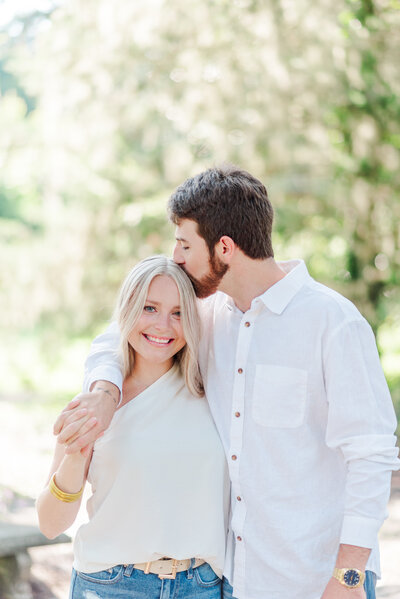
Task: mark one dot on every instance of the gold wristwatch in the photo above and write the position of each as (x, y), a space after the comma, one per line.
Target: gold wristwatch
(349, 577)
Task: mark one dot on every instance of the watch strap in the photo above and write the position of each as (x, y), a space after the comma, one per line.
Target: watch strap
(340, 574)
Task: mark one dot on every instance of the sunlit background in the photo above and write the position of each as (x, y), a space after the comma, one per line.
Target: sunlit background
(105, 107)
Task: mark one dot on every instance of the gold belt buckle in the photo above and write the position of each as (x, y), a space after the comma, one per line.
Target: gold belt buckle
(171, 576)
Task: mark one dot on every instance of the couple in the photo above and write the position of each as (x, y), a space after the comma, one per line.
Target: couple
(292, 378)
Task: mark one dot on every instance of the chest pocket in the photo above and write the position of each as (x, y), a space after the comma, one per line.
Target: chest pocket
(279, 396)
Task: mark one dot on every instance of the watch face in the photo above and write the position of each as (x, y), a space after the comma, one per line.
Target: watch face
(351, 578)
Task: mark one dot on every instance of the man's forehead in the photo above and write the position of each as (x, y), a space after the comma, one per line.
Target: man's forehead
(186, 229)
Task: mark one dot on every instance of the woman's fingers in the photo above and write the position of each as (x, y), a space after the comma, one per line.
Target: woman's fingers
(85, 451)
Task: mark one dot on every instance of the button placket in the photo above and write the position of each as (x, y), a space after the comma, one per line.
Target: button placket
(236, 440)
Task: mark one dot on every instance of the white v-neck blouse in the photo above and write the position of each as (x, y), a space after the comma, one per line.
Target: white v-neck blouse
(160, 483)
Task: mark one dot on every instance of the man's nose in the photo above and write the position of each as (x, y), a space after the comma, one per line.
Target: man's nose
(177, 255)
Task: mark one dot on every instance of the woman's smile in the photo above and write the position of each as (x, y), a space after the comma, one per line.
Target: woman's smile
(158, 341)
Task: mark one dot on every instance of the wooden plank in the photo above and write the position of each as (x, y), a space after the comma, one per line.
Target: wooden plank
(17, 537)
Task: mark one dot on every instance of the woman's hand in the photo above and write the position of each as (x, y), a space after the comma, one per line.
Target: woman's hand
(86, 417)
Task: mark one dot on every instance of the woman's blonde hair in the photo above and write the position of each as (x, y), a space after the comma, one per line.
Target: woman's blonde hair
(129, 308)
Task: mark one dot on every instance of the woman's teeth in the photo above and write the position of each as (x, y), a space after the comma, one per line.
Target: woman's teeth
(159, 340)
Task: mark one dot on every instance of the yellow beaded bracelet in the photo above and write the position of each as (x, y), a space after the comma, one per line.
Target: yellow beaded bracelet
(58, 494)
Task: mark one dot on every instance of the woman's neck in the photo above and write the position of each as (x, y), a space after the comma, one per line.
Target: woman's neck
(143, 375)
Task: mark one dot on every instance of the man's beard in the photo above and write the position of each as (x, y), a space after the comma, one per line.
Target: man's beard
(208, 284)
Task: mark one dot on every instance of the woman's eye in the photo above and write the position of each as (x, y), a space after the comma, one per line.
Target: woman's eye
(177, 314)
(149, 309)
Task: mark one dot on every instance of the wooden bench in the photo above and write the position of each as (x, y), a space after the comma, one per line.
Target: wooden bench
(15, 561)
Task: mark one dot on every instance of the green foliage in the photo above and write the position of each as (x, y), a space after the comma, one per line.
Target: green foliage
(111, 105)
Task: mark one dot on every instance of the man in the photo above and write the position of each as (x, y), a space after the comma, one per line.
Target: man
(293, 380)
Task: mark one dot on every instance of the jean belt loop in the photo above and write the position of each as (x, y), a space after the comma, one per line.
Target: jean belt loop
(189, 574)
(128, 569)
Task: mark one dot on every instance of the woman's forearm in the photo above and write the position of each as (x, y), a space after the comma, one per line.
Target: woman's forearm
(55, 516)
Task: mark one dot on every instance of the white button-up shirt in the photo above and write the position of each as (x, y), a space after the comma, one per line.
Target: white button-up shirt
(305, 416)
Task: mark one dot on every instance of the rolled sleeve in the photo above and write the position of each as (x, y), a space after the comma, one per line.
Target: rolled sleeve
(361, 423)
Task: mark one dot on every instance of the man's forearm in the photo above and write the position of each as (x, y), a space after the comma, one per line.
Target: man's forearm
(109, 389)
(351, 556)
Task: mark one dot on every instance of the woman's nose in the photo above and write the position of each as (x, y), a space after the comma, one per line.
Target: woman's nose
(162, 322)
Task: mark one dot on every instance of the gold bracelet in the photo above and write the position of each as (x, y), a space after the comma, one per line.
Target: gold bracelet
(58, 494)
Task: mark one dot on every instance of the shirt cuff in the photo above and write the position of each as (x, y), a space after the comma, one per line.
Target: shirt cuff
(360, 531)
(103, 373)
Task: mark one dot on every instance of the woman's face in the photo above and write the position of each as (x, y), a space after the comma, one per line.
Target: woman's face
(158, 334)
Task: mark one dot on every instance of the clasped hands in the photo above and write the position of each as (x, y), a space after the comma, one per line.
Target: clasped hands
(86, 418)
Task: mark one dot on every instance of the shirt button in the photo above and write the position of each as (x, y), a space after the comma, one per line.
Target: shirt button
(247, 324)
(239, 538)
(237, 414)
(239, 498)
(240, 370)
(234, 457)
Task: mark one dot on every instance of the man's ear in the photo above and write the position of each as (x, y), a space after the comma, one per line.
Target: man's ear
(225, 249)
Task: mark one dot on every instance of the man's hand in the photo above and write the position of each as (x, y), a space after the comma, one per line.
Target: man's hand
(335, 590)
(86, 417)
(349, 556)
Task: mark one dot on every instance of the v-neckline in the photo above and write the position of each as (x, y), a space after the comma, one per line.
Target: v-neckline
(161, 379)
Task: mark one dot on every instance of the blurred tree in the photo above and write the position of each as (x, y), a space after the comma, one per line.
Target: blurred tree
(113, 104)
(364, 127)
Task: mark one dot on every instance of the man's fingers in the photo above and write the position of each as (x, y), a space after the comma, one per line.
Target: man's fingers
(69, 430)
(64, 414)
(84, 428)
(59, 423)
(76, 415)
(68, 418)
(87, 439)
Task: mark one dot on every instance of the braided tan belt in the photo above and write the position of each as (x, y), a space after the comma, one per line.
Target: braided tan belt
(168, 568)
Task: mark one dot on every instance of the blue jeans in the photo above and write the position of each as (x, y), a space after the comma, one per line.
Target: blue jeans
(369, 586)
(122, 582)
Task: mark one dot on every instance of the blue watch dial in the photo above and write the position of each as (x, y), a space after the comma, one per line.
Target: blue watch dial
(351, 578)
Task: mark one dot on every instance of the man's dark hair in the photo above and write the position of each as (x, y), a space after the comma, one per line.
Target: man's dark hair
(229, 201)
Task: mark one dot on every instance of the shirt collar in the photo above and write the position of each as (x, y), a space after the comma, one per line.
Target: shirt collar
(277, 297)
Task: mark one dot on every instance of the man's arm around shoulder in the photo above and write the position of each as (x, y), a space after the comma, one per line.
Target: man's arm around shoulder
(100, 399)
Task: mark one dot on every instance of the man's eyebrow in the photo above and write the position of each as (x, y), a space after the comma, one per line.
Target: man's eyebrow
(181, 239)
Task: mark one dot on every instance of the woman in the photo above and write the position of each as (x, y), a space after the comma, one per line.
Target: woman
(158, 512)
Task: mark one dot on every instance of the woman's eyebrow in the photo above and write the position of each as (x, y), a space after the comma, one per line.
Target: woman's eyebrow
(150, 301)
